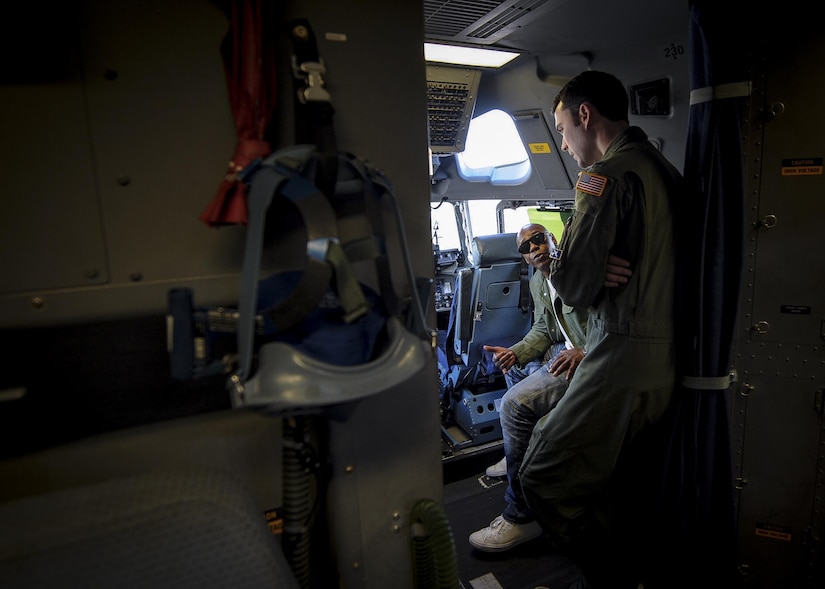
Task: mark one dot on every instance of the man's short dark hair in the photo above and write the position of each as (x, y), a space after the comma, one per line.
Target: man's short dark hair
(604, 91)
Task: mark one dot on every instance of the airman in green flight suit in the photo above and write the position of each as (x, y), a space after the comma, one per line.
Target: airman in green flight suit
(623, 207)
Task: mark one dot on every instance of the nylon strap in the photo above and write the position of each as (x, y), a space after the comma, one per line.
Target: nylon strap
(323, 250)
(325, 257)
(464, 312)
(375, 186)
(258, 199)
(314, 125)
(720, 92)
(313, 108)
(349, 291)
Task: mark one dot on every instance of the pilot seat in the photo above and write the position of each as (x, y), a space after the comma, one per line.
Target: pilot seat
(491, 306)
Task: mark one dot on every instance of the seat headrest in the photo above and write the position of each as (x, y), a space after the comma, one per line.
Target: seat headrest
(494, 249)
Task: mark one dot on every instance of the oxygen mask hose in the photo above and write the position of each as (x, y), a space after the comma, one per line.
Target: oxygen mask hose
(435, 565)
(298, 508)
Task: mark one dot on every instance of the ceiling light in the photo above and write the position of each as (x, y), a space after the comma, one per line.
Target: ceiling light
(469, 56)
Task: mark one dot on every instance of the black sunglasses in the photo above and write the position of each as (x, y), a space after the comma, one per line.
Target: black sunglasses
(537, 238)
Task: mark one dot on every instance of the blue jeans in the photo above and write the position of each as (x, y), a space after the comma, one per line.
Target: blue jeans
(516, 374)
(532, 392)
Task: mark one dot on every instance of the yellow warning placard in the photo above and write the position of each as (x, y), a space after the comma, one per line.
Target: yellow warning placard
(773, 531)
(804, 166)
(274, 520)
(539, 147)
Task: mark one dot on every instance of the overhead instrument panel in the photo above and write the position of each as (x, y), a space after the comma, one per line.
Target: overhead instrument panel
(451, 98)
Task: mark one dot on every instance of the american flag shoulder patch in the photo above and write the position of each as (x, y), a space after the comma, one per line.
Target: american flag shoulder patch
(591, 183)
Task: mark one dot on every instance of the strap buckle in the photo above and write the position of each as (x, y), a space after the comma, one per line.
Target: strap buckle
(312, 73)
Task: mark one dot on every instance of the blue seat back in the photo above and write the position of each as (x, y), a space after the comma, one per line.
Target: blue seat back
(491, 305)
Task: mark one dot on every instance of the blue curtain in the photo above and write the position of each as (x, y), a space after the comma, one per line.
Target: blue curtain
(697, 494)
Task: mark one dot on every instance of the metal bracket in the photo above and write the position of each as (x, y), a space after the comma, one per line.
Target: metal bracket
(312, 72)
(761, 327)
(768, 222)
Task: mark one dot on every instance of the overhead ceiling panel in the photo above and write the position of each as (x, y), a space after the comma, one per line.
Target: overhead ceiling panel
(477, 22)
(555, 27)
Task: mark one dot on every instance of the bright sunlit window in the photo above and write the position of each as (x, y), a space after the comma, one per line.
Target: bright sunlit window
(481, 218)
(494, 151)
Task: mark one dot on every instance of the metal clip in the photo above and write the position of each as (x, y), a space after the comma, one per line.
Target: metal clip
(776, 109)
(768, 222)
(236, 389)
(761, 327)
(313, 73)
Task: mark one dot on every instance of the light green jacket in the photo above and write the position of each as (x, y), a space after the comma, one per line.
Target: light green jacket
(545, 330)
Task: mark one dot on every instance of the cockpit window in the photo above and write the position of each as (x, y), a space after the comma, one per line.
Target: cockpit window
(481, 217)
(444, 227)
(494, 151)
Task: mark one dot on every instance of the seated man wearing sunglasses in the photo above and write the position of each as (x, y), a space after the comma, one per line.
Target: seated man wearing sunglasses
(537, 370)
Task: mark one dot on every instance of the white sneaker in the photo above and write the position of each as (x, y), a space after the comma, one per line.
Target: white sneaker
(499, 469)
(503, 535)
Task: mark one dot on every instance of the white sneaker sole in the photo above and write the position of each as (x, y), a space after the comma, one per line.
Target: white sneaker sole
(499, 469)
(479, 545)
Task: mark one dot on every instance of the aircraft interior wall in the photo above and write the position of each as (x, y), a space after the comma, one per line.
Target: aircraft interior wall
(777, 412)
(113, 152)
(530, 84)
(112, 155)
(122, 151)
(640, 65)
